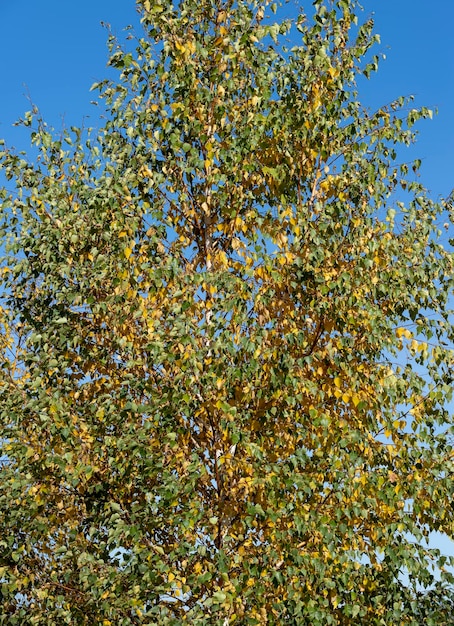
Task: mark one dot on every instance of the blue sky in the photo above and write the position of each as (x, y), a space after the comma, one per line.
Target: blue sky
(53, 51)
(417, 38)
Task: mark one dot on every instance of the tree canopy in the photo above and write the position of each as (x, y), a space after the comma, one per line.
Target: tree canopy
(226, 338)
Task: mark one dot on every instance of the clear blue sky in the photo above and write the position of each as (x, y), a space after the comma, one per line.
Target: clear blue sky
(417, 38)
(55, 50)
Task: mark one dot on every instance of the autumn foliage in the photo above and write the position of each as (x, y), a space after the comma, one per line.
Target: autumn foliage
(226, 339)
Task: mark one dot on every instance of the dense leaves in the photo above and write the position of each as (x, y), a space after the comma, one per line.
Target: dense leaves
(226, 341)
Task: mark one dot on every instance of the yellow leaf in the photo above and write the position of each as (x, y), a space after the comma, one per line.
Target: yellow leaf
(128, 252)
(403, 332)
(313, 154)
(414, 345)
(171, 577)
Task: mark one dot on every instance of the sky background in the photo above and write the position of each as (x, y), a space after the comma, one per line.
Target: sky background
(52, 51)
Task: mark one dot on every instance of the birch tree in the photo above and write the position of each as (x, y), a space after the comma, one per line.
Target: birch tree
(229, 402)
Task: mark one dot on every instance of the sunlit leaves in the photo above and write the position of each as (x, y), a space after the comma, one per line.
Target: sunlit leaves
(227, 344)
